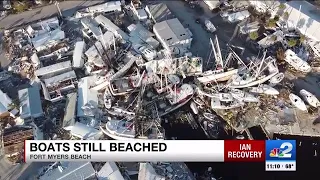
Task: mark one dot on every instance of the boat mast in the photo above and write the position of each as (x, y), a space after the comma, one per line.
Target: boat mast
(262, 62)
(216, 51)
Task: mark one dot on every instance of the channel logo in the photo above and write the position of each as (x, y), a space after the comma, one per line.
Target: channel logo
(281, 150)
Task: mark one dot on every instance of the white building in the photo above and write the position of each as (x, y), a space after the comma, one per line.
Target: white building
(45, 40)
(140, 35)
(77, 58)
(92, 27)
(159, 12)
(53, 70)
(111, 6)
(303, 16)
(42, 27)
(5, 103)
(70, 170)
(172, 33)
(110, 26)
(30, 103)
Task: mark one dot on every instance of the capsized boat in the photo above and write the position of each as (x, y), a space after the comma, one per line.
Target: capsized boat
(216, 103)
(264, 89)
(309, 98)
(297, 101)
(296, 62)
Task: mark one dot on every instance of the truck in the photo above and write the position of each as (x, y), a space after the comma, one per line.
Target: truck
(209, 26)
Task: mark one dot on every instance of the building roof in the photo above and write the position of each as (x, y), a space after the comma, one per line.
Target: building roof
(5, 102)
(55, 68)
(171, 31)
(55, 80)
(70, 110)
(83, 131)
(238, 16)
(92, 26)
(106, 7)
(71, 171)
(30, 102)
(140, 35)
(110, 171)
(87, 98)
(110, 26)
(159, 12)
(146, 171)
(78, 51)
(308, 21)
(46, 38)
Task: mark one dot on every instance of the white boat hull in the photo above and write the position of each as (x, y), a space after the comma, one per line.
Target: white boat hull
(216, 104)
(264, 89)
(253, 83)
(219, 77)
(296, 62)
(309, 98)
(297, 101)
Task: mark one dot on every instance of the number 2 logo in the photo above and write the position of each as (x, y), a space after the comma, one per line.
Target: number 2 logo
(286, 149)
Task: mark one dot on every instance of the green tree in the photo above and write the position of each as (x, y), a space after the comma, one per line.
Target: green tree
(292, 42)
(274, 37)
(20, 6)
(271, 23)
(276, 18)
(254, 35)
(282, 6)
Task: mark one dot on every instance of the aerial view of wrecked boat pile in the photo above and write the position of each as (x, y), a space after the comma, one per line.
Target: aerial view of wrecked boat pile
(159, 70)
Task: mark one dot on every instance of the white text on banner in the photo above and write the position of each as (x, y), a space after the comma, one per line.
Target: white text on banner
(124, 151)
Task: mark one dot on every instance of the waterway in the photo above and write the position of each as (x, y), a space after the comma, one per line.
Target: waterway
(307, 163)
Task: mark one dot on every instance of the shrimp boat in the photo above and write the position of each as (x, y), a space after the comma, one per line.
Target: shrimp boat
(184, 66)
(167, 82)
(176, 98)
(125, 130)
(131, 83)
(297, 101)
(264, 89)
(255, 74)
(220, 73)
(296, 62)
(309, 98)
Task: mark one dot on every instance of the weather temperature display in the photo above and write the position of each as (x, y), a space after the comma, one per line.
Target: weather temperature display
(280, 155)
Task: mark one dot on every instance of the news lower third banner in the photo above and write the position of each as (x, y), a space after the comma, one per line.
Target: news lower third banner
(277, 154)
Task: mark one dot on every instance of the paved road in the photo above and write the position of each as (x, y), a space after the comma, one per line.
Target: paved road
(200, 43)
(67, 8)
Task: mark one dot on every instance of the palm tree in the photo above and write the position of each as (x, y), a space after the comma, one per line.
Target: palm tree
(254, 35)
(292, 42)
